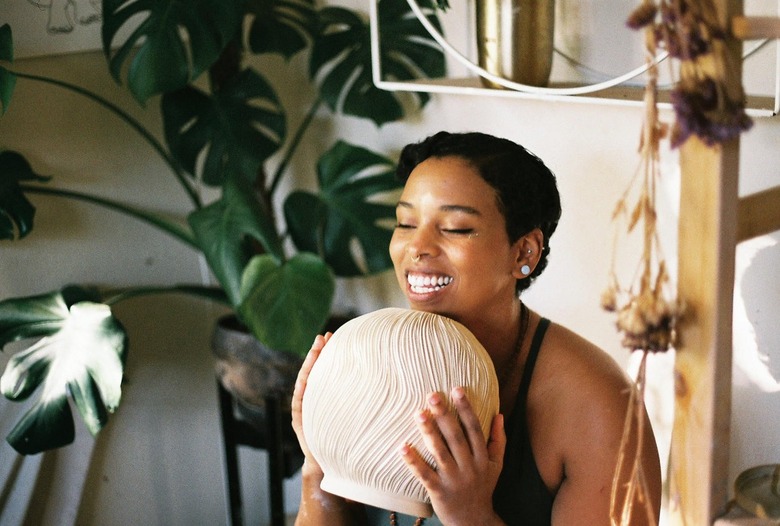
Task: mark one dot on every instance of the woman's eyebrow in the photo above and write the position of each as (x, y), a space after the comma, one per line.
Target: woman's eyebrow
(460, 208)
(445, 208)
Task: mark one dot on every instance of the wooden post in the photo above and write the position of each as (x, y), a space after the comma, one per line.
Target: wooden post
(707, 238)
(698, 473)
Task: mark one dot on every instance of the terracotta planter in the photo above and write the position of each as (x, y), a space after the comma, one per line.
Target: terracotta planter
(515, 40)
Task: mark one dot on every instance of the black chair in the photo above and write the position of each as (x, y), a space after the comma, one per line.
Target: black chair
(269, 430)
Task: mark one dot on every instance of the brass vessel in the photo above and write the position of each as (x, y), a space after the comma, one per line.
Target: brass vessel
(515, 40)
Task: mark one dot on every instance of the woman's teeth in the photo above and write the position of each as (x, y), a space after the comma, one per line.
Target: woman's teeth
(421, 284)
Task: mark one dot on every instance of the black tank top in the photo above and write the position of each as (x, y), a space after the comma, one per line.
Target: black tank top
(521, 497)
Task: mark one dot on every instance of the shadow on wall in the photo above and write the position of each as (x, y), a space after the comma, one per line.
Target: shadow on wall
(756, 389)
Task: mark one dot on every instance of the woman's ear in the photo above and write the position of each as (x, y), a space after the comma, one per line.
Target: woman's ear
(528, 250)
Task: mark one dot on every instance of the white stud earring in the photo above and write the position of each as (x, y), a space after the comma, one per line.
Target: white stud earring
(525, 269)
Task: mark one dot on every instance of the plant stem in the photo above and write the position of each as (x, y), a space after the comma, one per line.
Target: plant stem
(294, 144)
(210, 293)
(167, 226)
(130, 121)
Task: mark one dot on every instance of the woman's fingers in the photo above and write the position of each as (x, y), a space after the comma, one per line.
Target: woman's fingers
(300, 387)
(470, 424)
(433, 439)
(418, 466)
(466, 464)
(460, 430)
(455, 443)
(303, 373)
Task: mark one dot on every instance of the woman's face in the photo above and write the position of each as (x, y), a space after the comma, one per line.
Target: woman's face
(448, 217)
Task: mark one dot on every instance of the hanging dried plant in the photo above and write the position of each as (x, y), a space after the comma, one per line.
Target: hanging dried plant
(709, 107)
(646, 309)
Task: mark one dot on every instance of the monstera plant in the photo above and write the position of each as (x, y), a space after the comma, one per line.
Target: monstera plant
(223, 137)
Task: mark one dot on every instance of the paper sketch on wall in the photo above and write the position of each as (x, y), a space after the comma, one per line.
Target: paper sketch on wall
(66, 15)
(49, 27)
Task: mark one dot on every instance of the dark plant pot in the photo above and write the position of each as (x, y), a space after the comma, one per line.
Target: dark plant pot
(250, 371)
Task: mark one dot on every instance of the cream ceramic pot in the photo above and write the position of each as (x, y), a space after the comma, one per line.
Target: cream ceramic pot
(372, 376)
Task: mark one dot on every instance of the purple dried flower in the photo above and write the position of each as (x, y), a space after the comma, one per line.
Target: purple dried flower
(643, 15)
(702, 109)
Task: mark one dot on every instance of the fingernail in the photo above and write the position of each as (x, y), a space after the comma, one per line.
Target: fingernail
(421, 416)
(434, 399)
(403, 449)
(458, 393)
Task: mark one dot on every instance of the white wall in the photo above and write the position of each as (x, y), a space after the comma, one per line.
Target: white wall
(159, 459)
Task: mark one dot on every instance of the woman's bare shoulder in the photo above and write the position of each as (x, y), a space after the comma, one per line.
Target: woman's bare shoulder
(579, 394)
(569, 363)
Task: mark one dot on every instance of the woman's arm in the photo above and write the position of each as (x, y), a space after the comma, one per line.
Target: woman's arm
(589, 414)
(585, 494)
(318, 507)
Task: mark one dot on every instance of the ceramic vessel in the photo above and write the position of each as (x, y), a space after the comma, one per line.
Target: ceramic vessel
(372, 376)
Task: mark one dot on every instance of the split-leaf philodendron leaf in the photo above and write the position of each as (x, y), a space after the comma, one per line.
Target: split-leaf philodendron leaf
(15, 210)
(80, 355)
(347, 221)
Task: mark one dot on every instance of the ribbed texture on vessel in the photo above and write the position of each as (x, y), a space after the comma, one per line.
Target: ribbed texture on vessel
(362, 394)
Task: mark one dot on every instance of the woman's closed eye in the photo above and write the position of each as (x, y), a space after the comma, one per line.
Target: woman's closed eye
(451, 231)
(458, 231)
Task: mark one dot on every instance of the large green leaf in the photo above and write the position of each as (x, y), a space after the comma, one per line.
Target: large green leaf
(285, 306)
(40, 315)
(82, 356)
(7, 79)
(280, 26)
(15, 209)
(236, 128)
(341, 59)
(171, 43)
(222, 230)
(6, 43)
(348, 212)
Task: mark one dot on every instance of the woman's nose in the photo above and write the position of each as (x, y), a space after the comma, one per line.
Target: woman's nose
(422, 243)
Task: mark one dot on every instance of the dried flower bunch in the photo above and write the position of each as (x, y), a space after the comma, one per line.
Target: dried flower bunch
(647, 310)
(711, 106)
(705, 103)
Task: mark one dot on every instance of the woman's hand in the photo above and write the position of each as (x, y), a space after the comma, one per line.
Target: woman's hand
(297, 399)
(461, 488)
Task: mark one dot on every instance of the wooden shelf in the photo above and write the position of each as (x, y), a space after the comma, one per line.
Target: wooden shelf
(620, 90)
(758, 106)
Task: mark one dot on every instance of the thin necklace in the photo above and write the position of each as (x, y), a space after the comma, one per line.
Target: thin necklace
(394, 520)
(511, 363)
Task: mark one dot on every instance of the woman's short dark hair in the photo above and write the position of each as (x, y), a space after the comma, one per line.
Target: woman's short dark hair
(525, 187)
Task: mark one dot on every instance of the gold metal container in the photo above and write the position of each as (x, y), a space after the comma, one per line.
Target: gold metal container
(515, 40)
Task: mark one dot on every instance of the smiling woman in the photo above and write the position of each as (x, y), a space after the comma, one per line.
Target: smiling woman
(473, 230)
